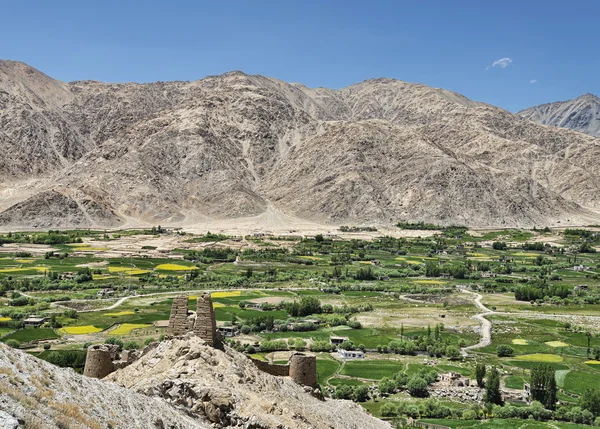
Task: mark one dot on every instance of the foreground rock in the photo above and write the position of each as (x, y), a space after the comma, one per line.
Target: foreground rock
(226, 388)
(36, 394)
(181, 384)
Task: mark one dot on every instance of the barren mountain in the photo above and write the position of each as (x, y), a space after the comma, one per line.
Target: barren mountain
(580, 114)
(180, 384)
(234, 145)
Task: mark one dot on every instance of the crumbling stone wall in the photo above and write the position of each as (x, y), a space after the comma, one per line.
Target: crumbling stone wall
(303, 369)
(99, 360)
(205, 326)
(273, 369)
(178, 320)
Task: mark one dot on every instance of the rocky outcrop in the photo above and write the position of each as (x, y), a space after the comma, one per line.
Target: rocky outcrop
(34, 393)
(234, 145)
(227, 388)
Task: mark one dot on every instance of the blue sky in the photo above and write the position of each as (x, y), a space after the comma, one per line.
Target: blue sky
(443, 43)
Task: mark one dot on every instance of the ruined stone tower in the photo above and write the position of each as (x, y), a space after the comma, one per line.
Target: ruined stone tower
(99, 360)
(206, 326)
(303, 369)
(178, 321)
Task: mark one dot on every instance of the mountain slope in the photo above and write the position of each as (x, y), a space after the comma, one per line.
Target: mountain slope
(580, 114)
(234, 145)
(38, 394)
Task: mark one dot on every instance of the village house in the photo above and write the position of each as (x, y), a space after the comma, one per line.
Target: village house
(351, 354)
(34, 322)
(105, 293)
(336, 341)
(229, 331)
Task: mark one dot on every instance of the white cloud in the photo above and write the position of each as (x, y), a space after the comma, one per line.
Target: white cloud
(533, 81)
(502, 62)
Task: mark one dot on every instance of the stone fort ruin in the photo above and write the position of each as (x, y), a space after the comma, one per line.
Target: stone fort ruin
(202, 323)
(102, 359)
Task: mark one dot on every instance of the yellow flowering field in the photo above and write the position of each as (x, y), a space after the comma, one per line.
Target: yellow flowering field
(174, 267)
(127, 270)
(225, 294)
(80, 330)
(126, 328)
(120, 313)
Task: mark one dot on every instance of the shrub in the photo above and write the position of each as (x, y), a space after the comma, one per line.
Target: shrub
(504, 351)
(115, 341)
(131, 345)
(246, 329)
(13, 343)
(46, 346)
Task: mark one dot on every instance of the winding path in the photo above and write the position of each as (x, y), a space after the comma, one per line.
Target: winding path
(486, 324)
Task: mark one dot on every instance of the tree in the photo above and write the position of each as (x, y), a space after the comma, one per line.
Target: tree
(596, 352)
(492, 387)
(480, 371)
(590, 400)
(543, 385)
(499, 245)
(417, 387)
(504, 350)
(386, 386)
(452, 352)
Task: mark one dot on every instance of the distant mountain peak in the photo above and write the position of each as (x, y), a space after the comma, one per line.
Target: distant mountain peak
(580, 114)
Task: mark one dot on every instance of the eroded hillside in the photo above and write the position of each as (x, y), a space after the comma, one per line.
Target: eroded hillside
(234, 145)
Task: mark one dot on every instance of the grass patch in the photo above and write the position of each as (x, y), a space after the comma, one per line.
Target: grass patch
(514, 382)
(31, 334)
(578, 382)
(325, 369)
(541, 357)
(519, 341)
(372, 369)
(345, 382)
(556, 344)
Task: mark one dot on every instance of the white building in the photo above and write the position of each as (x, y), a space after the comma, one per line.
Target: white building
(351, 354)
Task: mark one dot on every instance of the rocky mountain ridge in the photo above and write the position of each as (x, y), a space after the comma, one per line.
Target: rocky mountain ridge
(235, 145)
(580, 114)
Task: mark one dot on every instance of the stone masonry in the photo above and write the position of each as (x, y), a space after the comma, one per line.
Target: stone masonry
(99, 360)
(206, 326)
(178, 321)
(303, 369)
